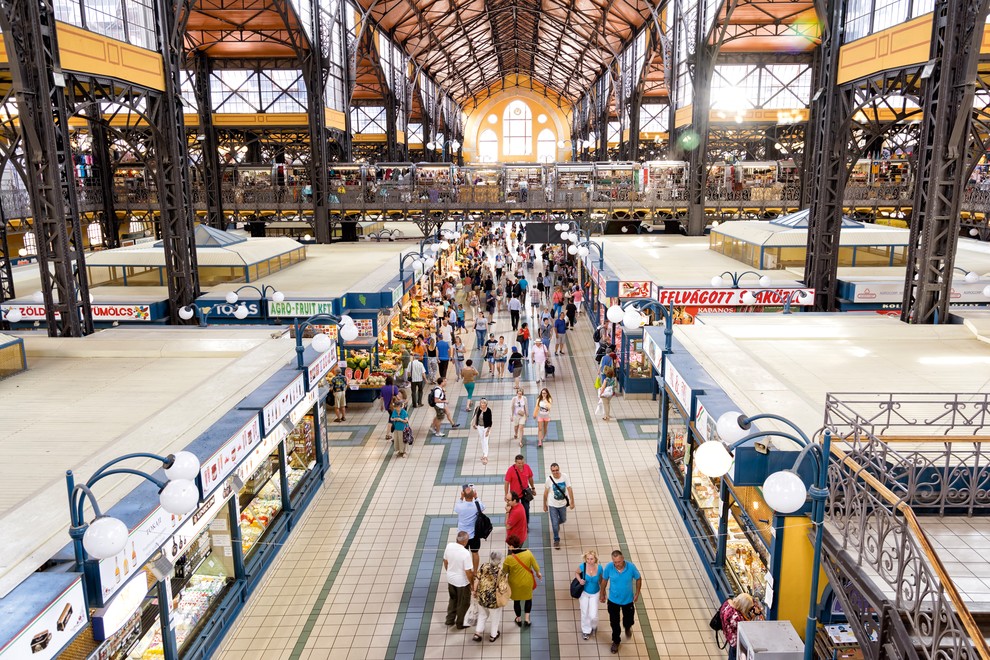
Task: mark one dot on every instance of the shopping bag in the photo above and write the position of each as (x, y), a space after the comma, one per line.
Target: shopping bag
(598, 383)
(471, 618)
(600, 408)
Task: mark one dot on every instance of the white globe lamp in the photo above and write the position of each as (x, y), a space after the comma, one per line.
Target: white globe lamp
(712, 459)
(572, 237)
(429, 263)
(231, 297)
(765, 281)
(348, 332)
(308, 237)
(748, 298)
(105, 537)
(583, 252)
(615, 313)
(717, 281)
(972, 277)
(564, 236)
(444, 245)
(572, 249)
(185, 466)
(346, 320)
(632, 320)
(986, 291)
(14, 316)
(185, 313)
(278, 296)
(179, 497)
(38, 297)
(434, 247)
(241, 312)
(729, 428)
(785, 492)
(972, 232)
(321, 343)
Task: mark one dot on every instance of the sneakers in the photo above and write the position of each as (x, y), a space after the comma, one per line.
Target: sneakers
(439, 434)
(556, 545)
(586, 636)
(615, 647)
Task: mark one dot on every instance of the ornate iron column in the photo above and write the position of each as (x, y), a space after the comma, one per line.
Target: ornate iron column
(6, 273)
(32, 46)
(212, 176)
(391, 124)
(103, 165)
(172, 164)
(947, 112)
(831, 108)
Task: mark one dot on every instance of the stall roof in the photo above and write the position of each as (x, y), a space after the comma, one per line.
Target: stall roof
(330, 271)
(769, 234)
(786, 364)
(675, 260)
(164, 386)
(238, 254)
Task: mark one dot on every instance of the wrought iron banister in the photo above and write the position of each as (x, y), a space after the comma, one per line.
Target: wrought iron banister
(885, 532)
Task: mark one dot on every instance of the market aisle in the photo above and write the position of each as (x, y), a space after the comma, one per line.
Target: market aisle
(361, 577)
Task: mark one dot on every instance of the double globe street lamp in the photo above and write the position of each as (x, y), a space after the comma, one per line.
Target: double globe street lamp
(346, 330)
(241, 312)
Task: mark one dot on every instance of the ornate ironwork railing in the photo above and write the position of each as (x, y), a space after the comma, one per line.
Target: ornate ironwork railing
(878, 533)
(925, 448)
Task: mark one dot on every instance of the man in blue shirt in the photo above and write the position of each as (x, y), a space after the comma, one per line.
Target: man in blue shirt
(443, 356)
(621, 584)
(467, 514)
(560, 331)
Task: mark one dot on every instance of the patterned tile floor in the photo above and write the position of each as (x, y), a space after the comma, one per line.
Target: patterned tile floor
(362, 575)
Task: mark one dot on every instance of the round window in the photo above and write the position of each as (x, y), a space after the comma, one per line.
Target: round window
(492, 119)
(542, 119)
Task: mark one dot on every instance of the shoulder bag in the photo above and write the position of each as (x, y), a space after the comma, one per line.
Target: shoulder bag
(528, 569)
(576, 587)
(560, 492)
(525, 493)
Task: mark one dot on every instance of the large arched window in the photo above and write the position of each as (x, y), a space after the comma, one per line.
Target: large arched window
(546, 146)
(488, 146)
(517, 130)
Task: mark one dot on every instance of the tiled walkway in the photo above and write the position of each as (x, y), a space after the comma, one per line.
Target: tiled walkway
(362, 576)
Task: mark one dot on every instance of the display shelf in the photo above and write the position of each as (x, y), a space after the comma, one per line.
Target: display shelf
(258, 515)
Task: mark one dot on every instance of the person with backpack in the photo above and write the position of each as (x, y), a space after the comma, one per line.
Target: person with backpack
(734, 610)
(437, 399)
(588, 576)
(469, 510)
(492, 593)
(482, 421)
(516, 366)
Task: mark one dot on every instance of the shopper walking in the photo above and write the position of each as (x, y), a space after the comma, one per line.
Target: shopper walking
(519, 480)
(571, 310)
(501, 356)
(443, 356)
(541, 413)
(523, 339)
(398, 422)
(518, 413)
(515, 306)
(560, 334)
(389, 391)
(621, 584)
(523, 575)
(338, 385)
(515, 518)
(516, 366)
(488, 597)
(467, 509)
(439, 404)
(457, 355)
(546, 331)
(417, 379)
(607, 391)
(589, 575)
(481, 330)
(460, 575)
(432, 363)
(469, 374)
(482, 421)
(557, 498)
(538, 356)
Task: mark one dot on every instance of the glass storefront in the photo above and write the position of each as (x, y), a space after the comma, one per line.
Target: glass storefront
(677, 434)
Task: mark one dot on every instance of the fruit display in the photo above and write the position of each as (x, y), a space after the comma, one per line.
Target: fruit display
(359, 360)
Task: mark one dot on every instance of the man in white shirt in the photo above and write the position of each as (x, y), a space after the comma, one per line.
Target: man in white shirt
(538, 355)
(460, 578)
(514, 308)
(557, 498)
(417, 376)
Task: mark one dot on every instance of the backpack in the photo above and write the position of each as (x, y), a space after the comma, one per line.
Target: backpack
(597, 337)
(482, 524)
(431, 398)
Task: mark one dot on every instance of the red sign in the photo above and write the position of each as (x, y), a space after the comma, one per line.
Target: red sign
(734, 297)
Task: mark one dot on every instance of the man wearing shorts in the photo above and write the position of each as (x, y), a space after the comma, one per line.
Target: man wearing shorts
(440, 406)
(467, 514)
(338, 385)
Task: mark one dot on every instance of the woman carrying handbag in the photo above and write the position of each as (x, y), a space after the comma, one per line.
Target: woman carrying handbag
(523, 575)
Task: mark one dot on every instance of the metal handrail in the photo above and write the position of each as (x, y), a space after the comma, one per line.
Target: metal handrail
(921, 539)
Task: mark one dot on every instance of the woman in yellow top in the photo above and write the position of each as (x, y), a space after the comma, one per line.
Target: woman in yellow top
(523, 574)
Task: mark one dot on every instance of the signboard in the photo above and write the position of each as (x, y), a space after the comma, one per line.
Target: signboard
(319, 367)
(734, 297)
(678, 386)
(654, 352)
(303, 308)
(142, 542)
(139, 313)
(282, 405)
(704, 423)
(893, 292)
(222, 463)
(225, 310)
(635, 289)
(51, 630)
(196, 523)
(108, 620)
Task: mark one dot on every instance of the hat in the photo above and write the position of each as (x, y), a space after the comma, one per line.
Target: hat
(515, 348)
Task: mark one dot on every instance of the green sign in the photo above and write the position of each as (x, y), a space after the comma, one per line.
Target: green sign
(304, 308)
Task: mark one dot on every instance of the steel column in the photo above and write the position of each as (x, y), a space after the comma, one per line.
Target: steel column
(634, 110)
(827, 161)
(697, 174)
(172, 164)
(103, 165)
(31, 40)
(947, 113)
(212, 175)
(315, 75)
(6, 273)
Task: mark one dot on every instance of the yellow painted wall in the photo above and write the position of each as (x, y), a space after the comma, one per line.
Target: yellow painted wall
(477, 121)
(794, 589)
(87, 52)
